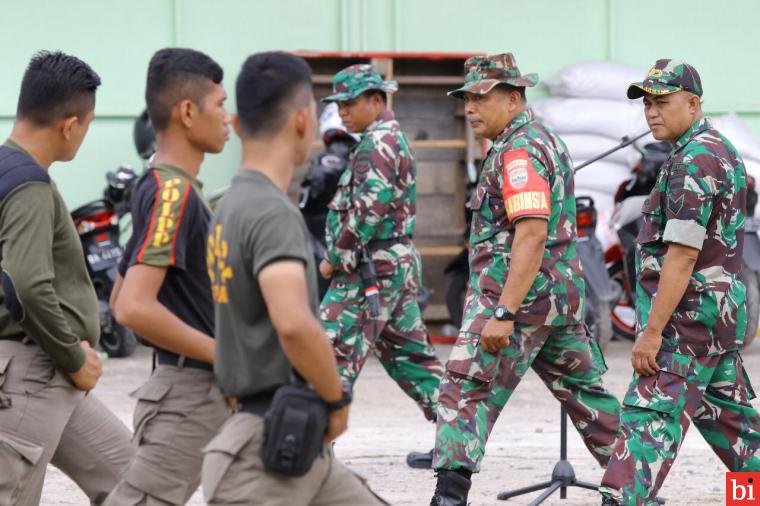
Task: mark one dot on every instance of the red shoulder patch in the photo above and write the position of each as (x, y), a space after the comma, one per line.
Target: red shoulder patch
(525, 192)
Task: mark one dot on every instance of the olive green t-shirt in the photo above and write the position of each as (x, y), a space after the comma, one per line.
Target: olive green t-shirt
(47, 293)
(254, 225)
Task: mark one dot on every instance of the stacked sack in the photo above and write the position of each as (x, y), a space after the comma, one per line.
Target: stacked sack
(744, 140)
(591, 113)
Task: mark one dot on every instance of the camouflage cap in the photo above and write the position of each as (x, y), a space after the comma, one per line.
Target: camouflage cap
(352, 81)
(667, 76)
(482, 73)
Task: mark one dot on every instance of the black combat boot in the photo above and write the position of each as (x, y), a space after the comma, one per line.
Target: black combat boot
(609, 501)
(452, 488)
(420, 460)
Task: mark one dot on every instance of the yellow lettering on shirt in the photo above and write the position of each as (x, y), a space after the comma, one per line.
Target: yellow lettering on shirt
(218, 270)
(167, 217)
(527, 201)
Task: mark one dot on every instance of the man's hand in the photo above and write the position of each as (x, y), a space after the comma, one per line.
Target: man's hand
(496, 334)
(643, 356)
(326, 269)
(88, 375)
(337, 423)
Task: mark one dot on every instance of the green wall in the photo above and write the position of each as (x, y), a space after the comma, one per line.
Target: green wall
(117, 37)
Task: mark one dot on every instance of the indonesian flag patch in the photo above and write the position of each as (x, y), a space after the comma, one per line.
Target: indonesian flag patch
(525, 192)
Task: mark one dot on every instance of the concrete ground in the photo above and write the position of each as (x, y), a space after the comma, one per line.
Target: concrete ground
(523, 448)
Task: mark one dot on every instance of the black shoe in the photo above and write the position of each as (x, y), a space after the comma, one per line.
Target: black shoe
(608, 501)
(420, 460)
(451, 489)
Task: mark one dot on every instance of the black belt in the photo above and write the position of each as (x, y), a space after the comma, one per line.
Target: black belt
(379, 244)
(14, 337)
(256, 404)
(164, 357)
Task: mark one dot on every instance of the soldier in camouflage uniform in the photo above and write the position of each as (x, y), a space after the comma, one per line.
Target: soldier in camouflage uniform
(374, 211)
(525, 302)
(686, 358)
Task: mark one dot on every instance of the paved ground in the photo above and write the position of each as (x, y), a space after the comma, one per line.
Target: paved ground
(385, 425)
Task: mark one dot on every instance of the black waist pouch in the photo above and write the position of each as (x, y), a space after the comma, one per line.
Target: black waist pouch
(294, 428)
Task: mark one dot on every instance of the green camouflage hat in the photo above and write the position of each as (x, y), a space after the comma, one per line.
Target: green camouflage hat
(352, 81)
(666, 77)
(482, 73)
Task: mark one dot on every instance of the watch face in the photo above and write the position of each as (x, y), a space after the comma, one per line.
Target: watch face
(499, 312)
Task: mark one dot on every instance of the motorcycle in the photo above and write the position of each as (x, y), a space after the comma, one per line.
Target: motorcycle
(627, 220)
(97, 223)
(599, 288)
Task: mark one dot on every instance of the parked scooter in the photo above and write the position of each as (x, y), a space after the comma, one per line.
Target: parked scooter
(599, 289)
(98, 225)
(627, 219)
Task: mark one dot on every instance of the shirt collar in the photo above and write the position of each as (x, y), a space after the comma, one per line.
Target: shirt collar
(385, 117)
(181, 173)
(10, 143)
(517, 122)
(698, 127)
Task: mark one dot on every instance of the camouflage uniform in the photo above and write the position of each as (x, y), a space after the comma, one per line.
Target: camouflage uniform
(698, 201)
(375, 201)
(527, 173)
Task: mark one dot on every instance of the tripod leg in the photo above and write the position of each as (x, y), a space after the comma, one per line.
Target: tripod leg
(587, 485)
(549, 491)
(503, 496)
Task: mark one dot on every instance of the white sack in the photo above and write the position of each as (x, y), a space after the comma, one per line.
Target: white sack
(611, 118)
(587, 146)
(595, 78)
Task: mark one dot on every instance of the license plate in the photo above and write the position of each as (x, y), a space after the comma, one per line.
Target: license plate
(103, 256)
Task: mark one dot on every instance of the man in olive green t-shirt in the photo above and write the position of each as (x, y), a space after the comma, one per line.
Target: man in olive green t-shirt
(265, 293)
(49, 320)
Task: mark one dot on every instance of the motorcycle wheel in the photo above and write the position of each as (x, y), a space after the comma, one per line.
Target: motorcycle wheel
(598, 319)
(623, 309)
(750, 279)
(119, 342)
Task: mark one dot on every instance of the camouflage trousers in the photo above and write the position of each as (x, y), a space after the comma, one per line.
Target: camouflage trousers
(478, 385)
(398, 337)
(713, 391)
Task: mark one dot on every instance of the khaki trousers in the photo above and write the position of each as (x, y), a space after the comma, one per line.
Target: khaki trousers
(233, 474)
(45, 419)
(179, 410)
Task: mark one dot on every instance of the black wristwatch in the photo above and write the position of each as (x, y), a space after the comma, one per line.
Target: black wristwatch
(502, 314)
(342, 402)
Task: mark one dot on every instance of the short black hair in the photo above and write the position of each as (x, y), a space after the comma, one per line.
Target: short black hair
(176, 74)
(265, 89)
(383, 95)
(56, 86)
(508, 88)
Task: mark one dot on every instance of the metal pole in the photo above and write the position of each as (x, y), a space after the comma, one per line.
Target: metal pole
(626, 142)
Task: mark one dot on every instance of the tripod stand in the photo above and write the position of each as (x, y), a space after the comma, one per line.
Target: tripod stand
(563, 475)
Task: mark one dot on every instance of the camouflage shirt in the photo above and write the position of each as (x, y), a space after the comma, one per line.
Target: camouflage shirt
(376, 194)
(699, 201)
(527, 173)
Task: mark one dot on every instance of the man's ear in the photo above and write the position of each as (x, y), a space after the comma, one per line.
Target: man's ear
(695, 103)
(235, 120)
(300, 120)
(67, 126)
(185, 111)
